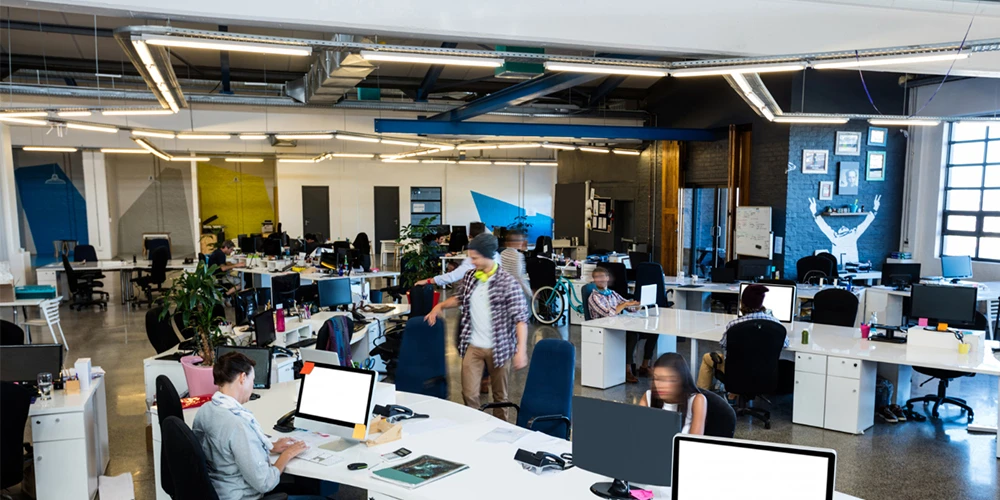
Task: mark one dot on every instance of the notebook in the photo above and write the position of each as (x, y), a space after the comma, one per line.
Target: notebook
(419, 471)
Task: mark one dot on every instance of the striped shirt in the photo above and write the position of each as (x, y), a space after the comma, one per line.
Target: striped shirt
(512, 261)
(602, 306)
(744, 319)
(507, 308)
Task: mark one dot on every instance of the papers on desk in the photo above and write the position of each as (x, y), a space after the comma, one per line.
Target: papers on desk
(503, 435)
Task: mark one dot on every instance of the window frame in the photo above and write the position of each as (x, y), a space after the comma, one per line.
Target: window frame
(425, 215)
(980, 214)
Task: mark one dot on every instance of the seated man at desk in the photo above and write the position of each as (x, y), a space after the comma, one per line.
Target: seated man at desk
(751, 308)
(605, 302)
(311, 243)
(218, 258)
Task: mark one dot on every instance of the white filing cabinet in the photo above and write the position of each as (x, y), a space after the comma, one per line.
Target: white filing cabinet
(809, 402)
(834, 393)
(605, 349)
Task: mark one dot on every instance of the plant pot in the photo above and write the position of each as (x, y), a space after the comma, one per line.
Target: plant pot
(199, 378)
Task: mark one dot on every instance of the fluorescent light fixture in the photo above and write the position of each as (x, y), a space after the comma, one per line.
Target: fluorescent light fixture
(152, 149)
(351, 155)
(810, 119)
(878, 61)
(51, 149)
(107, 129)
(229, 45)
(474, 162)
(124, 151)
(400, 161)
(481, 62)
(303, 137)
(151, 133)
(24, 114)
(70, 114)
(253, 137)
(204, 137)
(543, 164)
(511, 163)
(106, 75)
(394, 142)
(190, 158)
(742, 83)
(471, 147)
(440, 147)
(519, 146)
(358, 138)
(590, 149)
(736, 70)
(146, 57)
(767, 114)
(757, 101)
(629, 152)
(296, 160)
(904, 122)
(437, 161)
(244, 160)
(604, 69)
(24, 121)
(136, 112)
(563, 147)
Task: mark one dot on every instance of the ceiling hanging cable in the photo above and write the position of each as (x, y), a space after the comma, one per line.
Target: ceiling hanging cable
(950, 67)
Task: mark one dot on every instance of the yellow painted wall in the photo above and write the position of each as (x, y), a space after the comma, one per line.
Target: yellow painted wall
(241, 205)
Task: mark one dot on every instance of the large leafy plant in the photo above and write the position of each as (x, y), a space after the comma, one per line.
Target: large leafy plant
(195, 296)
(418, 260)
(520, 224)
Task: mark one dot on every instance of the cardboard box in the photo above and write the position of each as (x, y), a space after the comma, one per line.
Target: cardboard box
(7, 292)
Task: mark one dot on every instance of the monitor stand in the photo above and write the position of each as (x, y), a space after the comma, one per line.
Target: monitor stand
(617, 490)
(889, 335)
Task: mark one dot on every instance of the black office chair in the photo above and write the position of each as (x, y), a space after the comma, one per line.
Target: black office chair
(751, 368)
(813, 267)
(160, 332)
(651, 273)
(16, 402)
(168, 404)
(944, 377)
(543, 247)
(421, 366)
(87, 253)
(83, 288)
(421, 300)
(151, 281)
(541, 272)
(619, 278)
(459, 239)
(835, 307)
(153, 244)
(720, 418)
(10, 334)
(728, 301)
(833, 260)
(634, 259)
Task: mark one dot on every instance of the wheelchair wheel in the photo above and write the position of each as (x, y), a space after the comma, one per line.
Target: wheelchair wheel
(548, 305)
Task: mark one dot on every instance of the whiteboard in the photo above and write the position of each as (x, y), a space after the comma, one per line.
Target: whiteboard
(753, 232)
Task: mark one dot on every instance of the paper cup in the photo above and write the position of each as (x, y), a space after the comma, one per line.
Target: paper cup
(964, 348)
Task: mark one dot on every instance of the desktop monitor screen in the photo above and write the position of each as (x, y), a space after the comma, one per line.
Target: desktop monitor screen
(752, 269)
(956, 266)
(790, 472)
(283, 288)
(944, 304)
(23, 363)
(335, 292)
(261, 357)
(336, 395)
(901, 274)
(779, 299)
(263, 325)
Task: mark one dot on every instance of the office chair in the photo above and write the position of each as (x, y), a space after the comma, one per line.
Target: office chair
(547, 401)
(153, 244)
(944, 377)
(421, 367)
(619, 278)
(160, 332)
(835, 307)
(751, 368)
(543, 247)
(541, 272)
(16, 402)
(814, 266)
(151, 281)
(10, 333)
(168, 404)
(833, 260)
(421, 300)
(585, 292)
(50, 318)
(636, 258)
(187, 464)
(87, 253)
(728, 301)
(335, 336)
(459, 239)
(283, 288)
(245, 306)
(82, 288)
(720, 418)
(651, 273)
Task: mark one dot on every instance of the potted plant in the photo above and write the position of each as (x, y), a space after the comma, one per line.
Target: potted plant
(417, 260)
(196, 296)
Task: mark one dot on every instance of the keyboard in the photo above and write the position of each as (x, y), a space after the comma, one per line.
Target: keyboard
(302, 343)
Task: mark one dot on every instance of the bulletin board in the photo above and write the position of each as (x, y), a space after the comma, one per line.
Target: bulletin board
(601, 217)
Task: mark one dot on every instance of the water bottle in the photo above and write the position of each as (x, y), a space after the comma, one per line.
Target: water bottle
(279, 319)
(873, 320)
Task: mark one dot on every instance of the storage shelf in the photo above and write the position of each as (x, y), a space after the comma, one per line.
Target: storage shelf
(849, 214)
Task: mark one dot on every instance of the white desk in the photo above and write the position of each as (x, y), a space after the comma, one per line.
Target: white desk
(24, 304)
(49, 274)
(887, 303)
(70, 436)
(492, 472)
(261, 278)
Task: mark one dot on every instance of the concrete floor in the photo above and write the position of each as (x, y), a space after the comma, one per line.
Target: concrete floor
(936, 459)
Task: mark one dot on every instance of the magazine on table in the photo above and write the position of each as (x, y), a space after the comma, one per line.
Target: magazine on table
(422, 470)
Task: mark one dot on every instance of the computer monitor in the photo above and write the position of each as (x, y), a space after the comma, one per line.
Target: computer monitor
(330, 260)
(723, 275)
(944, 303)
(956, 267)
(900, 275)
(789, 472)
(245, 243)
(335, 400)
(23, 363)
(283, 288)
(261, 357)
(272, 247)
(263, 324)
(320, 356)
(779, 300)
(335, 292)
(601, 444)
(752, 269)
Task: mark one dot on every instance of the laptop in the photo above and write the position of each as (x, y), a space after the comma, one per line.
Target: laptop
(320, 356)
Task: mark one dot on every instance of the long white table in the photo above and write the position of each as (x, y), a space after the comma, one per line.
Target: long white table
(52, 274)
(492, 472)
(603, 347)
(261, 277)
(887, 302)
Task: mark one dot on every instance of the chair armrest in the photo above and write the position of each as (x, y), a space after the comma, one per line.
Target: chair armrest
(506, 404)
(548, 418)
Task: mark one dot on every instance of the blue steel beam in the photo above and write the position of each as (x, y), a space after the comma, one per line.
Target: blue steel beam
(438, 127)
(430, 78)
(609, 84)
(516, 94)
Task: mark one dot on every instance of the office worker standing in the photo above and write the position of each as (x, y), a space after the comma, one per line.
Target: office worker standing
(494, 325)
(673, 389)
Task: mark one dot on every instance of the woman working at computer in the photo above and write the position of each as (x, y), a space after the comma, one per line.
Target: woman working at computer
(673, 389)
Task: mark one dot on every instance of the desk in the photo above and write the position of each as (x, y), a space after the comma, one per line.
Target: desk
(603, 347)
(24, 304)
(492, 472)
(49, 274)
(261, 277)
(887, 302)
(70, 436)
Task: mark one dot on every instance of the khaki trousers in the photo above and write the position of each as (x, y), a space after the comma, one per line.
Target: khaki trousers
(472, 374)
(707, 371)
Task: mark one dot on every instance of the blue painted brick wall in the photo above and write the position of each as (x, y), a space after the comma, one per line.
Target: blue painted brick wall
(768, 182)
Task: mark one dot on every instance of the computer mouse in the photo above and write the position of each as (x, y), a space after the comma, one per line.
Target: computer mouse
(357, 466)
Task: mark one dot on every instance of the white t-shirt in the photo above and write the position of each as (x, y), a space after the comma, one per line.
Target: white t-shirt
(686, 428)
(481, 316)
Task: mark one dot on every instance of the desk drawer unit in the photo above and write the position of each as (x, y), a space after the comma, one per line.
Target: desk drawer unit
(850, 395)
(843, 367)
(809, 400)
(810, 363)
(57, 427)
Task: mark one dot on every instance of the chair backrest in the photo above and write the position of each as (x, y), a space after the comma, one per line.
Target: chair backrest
(812, 264)
(459, 239)
(335, 336)
(548, 389)
(168, 402)
(585, 292)
(543, 247)
(619, 277)
(186, 461)
(720, 418)
(154, 243)
(421, 366)
(16, 402)
(10, 334)
(651, 273)
(159, 255)
(84, 253)
(541, 272)
(421, 300)
(835, 307)
(71, 276)
(833, 260)
(160, 332)
(752, 351)
(50, 311)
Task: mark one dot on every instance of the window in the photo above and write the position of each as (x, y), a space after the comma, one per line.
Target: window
(425, 202)
(971, 224)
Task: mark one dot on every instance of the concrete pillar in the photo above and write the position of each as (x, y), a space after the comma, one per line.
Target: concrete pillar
(95, 186)
(10, 239)
(195, 209)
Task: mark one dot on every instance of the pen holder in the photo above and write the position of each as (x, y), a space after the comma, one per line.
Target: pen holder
(73, 386)
(963, 348)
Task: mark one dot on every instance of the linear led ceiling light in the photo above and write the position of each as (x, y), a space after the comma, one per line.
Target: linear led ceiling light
(604, 69)
(23, 121)
(756, 101)
(71, 114)
(481, 62)
(358, 138)
(151, 148)
(742, 83)
(767, 113)
(204, 137)
(351, 155)
(124, 151)
(51, 149)
(811, 119)
(737, 70)
(511, 163)
(244, 160)
(107, 129)
(472, 147)
(474, 162)
(903, 122)
(400, 143)
(303, 137)
(543, 164)
(441, 147)
(878, 61)
(437, 161)
(296, 160)
(149, 63)
(253, 137)
(136, 112)
(24, 114)
(400, 161)
(519, 146)
(228, 45)
(590, 149)
(189, 158)
(153, 133)
(563, 147)
(629, 152)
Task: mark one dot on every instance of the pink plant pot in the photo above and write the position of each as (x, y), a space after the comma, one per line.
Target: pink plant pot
(199, 378)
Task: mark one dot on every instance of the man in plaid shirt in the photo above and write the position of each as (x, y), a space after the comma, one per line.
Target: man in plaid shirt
(494, 326)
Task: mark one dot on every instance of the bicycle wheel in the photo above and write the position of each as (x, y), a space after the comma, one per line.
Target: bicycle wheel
(547, 305)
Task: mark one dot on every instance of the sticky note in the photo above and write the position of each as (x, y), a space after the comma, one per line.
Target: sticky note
(359, 431)
(307, 368)
(922, 322)
(641, 494)
(942, 327)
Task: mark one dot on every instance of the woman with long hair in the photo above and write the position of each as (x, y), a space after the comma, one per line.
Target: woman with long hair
(673, 389)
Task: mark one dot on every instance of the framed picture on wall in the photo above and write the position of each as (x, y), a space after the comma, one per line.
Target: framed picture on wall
(848, 144)
(850, 177)
(815, 161)
(826, 190)
(876, 166)
(877, 136)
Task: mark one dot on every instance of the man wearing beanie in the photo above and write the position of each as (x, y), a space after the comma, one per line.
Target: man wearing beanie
(751, 308)
(494, 325)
